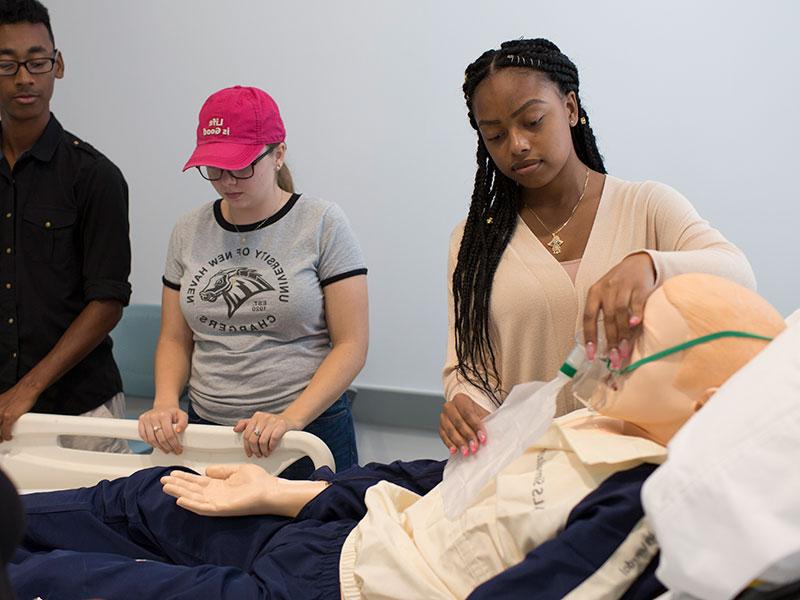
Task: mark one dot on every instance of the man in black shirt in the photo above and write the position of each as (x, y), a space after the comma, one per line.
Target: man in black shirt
(64, 246)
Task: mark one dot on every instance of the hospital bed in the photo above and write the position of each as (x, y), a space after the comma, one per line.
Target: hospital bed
(36, 461)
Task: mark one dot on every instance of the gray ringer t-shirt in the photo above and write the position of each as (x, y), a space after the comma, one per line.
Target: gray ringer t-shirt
(254, 302)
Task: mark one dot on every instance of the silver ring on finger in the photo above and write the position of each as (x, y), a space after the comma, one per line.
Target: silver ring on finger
(157, 428)
(256, 431)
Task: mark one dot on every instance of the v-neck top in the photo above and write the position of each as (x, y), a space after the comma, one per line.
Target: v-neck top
(571, 267)
(535, 309)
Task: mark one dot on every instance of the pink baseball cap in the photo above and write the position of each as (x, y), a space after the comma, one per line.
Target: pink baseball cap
(235, 125)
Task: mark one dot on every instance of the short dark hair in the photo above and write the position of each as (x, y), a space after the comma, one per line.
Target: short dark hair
(25, 11)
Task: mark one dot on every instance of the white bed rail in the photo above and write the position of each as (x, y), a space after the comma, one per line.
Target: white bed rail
(35, 460)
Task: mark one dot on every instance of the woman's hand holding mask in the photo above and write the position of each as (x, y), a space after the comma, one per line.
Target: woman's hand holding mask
(620, 294)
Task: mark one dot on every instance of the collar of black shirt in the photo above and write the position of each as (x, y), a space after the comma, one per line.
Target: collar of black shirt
(45, 146)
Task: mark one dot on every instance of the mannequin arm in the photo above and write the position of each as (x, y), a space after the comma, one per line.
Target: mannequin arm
(237, 490)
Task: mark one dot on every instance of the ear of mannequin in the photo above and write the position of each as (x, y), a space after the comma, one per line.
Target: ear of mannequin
(705, 397)
(655, 400)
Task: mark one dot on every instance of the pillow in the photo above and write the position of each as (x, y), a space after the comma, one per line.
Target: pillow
(724, 506)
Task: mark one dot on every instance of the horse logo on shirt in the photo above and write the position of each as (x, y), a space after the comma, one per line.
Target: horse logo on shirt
(236, 286)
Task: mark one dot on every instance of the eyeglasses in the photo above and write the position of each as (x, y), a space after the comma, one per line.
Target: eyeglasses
(215, 173)
(34, 66)
(593, 379)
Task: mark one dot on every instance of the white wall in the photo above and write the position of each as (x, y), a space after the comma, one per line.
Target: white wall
(699, 95)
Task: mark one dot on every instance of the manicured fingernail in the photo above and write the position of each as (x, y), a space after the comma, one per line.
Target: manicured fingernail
(635, 321)
(615, 360)
(482, 437)
(590, 350)
(625, 349)
(473, 446)
(464, 450)
(453, 449)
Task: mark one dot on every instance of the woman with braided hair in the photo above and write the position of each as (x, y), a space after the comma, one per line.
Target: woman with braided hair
(551, 241)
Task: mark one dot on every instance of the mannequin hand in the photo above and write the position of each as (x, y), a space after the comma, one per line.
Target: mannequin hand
(620, 294)
(238, 490)
(460, 425)
(13, 404)
(225, 490)
(160, 427)
(263, 431)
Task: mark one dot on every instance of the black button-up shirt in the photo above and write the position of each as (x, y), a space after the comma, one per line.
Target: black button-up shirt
(63, 242)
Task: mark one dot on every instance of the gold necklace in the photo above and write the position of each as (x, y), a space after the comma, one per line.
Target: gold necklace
(243, 235)
(556, 242)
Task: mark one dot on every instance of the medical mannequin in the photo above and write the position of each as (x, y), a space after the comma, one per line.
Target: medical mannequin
(657, 399)
(565, 517)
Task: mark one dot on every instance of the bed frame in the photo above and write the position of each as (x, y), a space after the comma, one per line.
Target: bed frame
(36, 461)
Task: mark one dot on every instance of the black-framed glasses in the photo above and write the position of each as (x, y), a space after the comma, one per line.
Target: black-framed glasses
(215, 173)
(34, 66)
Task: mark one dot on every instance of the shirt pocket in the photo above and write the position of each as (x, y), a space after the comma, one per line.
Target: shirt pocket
(48, 233)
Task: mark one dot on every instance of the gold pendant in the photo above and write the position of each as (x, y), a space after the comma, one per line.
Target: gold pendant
(555, 244)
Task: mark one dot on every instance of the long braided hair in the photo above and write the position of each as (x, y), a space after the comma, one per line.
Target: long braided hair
(495, 203)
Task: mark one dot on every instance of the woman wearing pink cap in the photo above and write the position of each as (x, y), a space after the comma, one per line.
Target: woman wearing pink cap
(264, 306)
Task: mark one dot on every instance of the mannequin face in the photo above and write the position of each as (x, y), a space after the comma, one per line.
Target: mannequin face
(659, 395)
(648, 397)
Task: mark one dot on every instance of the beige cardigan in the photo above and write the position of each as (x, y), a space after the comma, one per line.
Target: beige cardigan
(535, 310)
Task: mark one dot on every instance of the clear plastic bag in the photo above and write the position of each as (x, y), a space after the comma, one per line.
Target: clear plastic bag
(525, 415)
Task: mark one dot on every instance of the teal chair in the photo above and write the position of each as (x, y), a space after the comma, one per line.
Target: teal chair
(135, 338)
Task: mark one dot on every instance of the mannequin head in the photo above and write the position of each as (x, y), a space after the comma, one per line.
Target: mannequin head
(660, 396)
